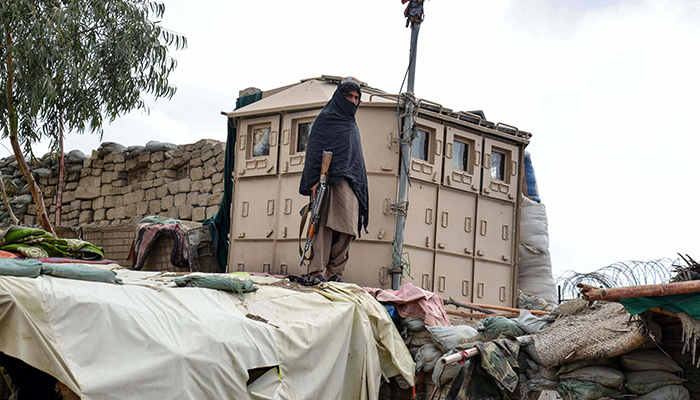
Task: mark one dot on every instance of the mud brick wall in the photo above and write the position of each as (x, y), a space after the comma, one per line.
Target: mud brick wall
(109, 189)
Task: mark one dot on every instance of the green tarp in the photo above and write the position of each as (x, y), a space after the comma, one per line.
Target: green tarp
(690, 303)
(37, 243)
(220, 224)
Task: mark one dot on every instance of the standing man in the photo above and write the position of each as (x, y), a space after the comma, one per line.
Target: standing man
(345, 211)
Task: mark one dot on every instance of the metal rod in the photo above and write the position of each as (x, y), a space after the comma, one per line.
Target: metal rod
(406, 135)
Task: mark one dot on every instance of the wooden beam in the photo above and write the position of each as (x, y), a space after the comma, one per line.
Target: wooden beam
(480, 316)
(592, 293)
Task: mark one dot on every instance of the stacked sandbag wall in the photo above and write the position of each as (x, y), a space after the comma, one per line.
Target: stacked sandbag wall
(118, 185)
(535, 268)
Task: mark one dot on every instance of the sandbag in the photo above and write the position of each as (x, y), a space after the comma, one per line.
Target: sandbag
(426, 358)
(110, 147)
(75, 157)
(133, 151)
(414, 324)
(528, 301)
(155, 145)
(602, 362)
(27, 268)
(604, 332)
(444, 373)
(535, 270)
(643, 382)
(572, 389)
(646, 360)
(23, 199)
(495, 327)
(603, 375)
(80, 272)
(536, 371)
(73, 168)
(42, 172)
(419, 338)
(529, 323)
(217, 282)
(673, 392)
(449, 337)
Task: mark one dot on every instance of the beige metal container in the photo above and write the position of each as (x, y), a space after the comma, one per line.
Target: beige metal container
(462, 224)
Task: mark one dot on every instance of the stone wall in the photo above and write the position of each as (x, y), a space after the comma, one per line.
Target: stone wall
(121, 187)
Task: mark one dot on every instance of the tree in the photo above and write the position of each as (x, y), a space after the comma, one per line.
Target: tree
(74, 63)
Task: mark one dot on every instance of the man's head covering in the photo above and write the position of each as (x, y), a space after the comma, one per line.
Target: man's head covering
(348, 84)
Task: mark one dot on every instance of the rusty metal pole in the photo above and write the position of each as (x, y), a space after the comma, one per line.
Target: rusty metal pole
(407, 134)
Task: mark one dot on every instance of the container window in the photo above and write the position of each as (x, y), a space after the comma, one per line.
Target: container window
(261, 142)
(460, 156)
(419, 148)
(303, 131)
(498, 165)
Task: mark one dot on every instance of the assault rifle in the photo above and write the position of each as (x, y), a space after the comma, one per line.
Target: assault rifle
(316, 203)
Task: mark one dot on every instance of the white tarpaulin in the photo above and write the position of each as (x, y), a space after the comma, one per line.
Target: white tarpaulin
(146, 339)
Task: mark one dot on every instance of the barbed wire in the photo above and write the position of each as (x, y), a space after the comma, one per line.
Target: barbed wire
(623, 273)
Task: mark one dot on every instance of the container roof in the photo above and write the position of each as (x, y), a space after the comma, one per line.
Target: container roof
(315, 93)
(308, 93)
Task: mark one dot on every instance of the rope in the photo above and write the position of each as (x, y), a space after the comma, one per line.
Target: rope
(404, 266)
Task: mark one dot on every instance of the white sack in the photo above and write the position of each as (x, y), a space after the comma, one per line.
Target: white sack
(535, 271)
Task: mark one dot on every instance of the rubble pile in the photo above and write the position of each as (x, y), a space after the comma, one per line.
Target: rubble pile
(118, 185)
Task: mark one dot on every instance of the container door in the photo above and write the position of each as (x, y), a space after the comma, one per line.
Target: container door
(296, 128)
(380, 144)
(453, 277)
(290, 204)
(456, 219)
(421, 267)
(382, 220)
(422, 214)
(426, 152)
(257, 147)
(255, 208)
(494, 230)
(462, 160)
(501, 170)
(493, 284)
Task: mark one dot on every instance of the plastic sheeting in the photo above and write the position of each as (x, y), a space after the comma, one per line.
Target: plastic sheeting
(147, 339)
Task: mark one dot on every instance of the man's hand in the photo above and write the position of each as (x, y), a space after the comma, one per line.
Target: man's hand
(313, 191)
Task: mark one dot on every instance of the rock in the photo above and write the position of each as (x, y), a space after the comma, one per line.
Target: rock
(215, 199)
(199, 214)
(196, 173)
(185, 212)
(211, 211)
(166, 202)
(85, 217)
(157, 157)
(185, 185)
(154, 207)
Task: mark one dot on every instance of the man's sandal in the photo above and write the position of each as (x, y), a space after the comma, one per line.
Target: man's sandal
(336, 278)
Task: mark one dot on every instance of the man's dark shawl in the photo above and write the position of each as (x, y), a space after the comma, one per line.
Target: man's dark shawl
(335, 130)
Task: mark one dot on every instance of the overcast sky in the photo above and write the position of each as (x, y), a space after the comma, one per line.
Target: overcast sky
(609, 90)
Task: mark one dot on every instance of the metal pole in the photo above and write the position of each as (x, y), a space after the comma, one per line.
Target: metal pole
(408, 133)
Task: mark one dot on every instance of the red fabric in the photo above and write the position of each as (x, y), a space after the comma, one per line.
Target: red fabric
(58, 260)
(7, 254)
(414, 302)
